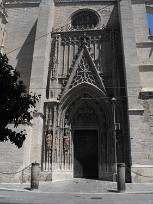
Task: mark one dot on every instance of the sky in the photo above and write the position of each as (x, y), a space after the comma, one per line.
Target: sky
(150, 22)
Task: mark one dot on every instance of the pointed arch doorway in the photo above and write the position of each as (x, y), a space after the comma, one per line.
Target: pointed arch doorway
(86, 153)
(89, 134)
(83, 138)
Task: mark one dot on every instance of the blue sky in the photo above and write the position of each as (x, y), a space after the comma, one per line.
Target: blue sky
(150, 22)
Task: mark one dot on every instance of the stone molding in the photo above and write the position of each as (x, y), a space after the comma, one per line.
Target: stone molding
(52, 101)
(76, 1)
(21, 5)
(20, 1)
(144, 44)
(38, 114)
(136, 111)
(146, 94)
(141, 166)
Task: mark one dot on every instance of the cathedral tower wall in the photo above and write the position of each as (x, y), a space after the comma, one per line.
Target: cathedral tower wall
(138, 67)
(78, 70)
(38, 83)
(19, 46)
(20, 37)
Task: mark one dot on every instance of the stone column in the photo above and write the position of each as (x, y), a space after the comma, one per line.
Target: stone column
(39, 72)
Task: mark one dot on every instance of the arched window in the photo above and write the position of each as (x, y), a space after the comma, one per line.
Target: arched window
(84, 18)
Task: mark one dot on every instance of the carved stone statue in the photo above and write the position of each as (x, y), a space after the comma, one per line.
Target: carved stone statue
(66, 143)
(49, 140)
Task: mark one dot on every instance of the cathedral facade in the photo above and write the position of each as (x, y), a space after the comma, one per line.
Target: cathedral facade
(92, 63)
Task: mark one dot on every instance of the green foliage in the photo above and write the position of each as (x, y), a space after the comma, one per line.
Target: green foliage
(15, 103)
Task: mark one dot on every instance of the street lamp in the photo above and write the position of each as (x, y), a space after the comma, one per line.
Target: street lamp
(114, 134)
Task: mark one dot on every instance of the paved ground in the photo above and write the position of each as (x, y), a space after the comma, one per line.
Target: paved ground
(13, 197)
(76, 191)
(81, 186)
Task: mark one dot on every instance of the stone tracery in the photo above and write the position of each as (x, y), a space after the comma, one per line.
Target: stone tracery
(83, 74)
(79, 85)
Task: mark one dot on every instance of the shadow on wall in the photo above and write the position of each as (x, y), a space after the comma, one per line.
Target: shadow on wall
(25, 57)
(113, 20)
(118, 72)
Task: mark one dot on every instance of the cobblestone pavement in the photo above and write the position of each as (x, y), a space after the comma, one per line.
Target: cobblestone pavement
(81, 186)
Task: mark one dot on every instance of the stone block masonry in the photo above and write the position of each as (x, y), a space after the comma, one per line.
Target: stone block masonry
(41, 46)
(20, 38)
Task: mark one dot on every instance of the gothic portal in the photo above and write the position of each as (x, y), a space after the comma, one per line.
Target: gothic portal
(92, 63)
(85, 73)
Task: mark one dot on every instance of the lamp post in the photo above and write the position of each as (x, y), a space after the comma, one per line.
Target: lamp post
(114, 134)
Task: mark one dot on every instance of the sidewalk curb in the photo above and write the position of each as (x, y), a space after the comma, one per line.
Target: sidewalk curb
(18, 190)
(13, 189)
(81, 193)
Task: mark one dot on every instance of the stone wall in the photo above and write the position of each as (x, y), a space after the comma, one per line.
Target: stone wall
(144, 44)
(3, 22)
(20, 37)
(106, 10)
(11, 158)
(137, 48)
(19, 46)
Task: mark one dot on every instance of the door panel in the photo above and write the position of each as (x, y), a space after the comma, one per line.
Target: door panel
(85, 154)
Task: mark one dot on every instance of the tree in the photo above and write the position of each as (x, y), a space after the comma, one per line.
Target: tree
(15, 103)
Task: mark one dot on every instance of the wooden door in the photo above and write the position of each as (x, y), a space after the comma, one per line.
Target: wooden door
(85, 154)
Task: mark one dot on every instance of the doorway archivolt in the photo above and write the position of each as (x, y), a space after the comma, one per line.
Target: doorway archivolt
(82, 110)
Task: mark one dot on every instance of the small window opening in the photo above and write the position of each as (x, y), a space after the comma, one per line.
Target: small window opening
(150, 19)
(150, 23)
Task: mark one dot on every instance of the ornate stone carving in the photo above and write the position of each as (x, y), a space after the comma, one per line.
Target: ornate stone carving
(82, 71)
(85, 115)
(83, 74)
(66, 143)
(49, 140)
